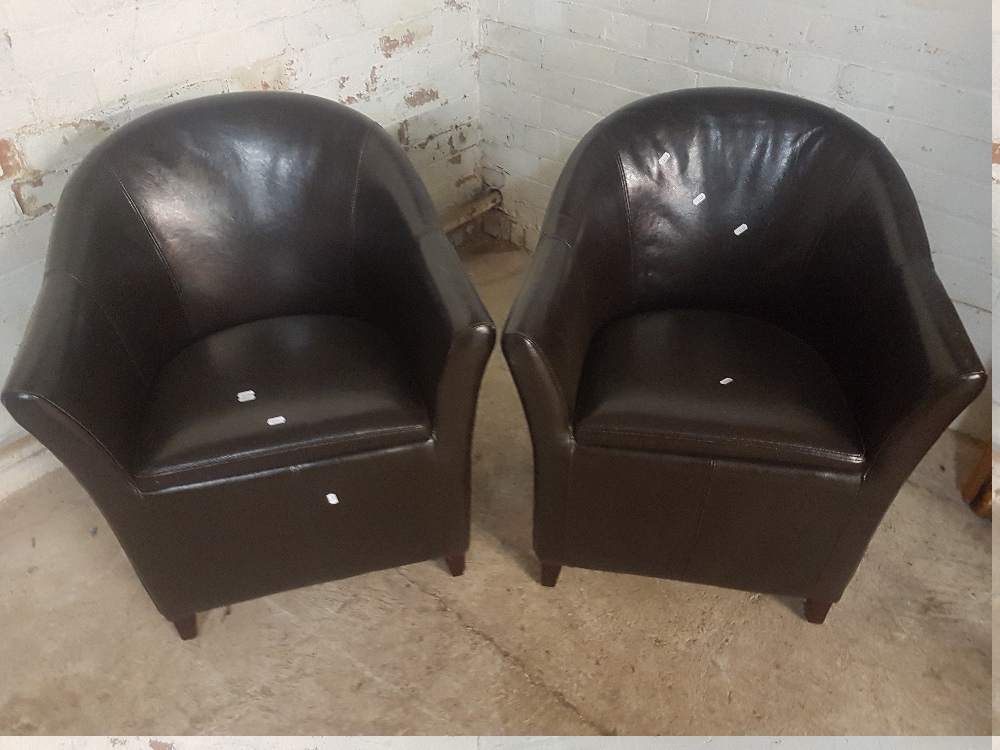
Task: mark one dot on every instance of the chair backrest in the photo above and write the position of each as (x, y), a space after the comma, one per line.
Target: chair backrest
(220, 210)
(727, 193)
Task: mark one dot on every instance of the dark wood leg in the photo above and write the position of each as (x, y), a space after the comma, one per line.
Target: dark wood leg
(816, 610)
(187, 626)
(978, 488)
(455, 563)
(550, 574)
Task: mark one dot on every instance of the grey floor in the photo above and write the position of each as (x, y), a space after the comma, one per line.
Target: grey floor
(414, 651)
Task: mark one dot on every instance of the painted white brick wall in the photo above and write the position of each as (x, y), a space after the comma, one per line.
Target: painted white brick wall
(73, 70)
(536, 73)
(914, 72)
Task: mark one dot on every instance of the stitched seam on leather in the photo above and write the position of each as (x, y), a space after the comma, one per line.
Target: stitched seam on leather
(689, 557)
(840, 534)
(564, 540)
(357, 186)
(836, 204)
(557, 238)
(729, 441)
(156, 244)
(628, 218)
(266, 452)
(90, 433)
(110, 322)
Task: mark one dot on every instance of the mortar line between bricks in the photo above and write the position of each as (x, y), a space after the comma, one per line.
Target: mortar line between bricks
(558, 695)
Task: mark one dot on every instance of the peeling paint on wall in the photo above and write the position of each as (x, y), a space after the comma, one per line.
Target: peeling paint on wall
(420, 96)
(11, 164)
(27, 198)
(404, 35)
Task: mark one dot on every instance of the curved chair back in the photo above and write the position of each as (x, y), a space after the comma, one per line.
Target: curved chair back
(728, 197)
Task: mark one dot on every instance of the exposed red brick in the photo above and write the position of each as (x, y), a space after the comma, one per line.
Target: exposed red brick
(25, 200)
(11, 163)
(388, 45)
(420, 96)
(996, 153)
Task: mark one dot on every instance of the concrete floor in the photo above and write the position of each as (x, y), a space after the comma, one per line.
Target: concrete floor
(907, 651)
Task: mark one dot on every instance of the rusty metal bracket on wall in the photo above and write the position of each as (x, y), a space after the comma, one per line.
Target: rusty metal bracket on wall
(456, 217)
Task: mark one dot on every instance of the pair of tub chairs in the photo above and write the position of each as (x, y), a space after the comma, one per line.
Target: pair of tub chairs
(258, 352)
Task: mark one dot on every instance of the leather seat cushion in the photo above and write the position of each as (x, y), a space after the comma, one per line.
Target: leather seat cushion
(340, 384)
(651, 382)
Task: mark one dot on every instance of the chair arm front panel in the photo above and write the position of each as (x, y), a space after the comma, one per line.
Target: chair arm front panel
(224, 542)
(73, 361)
(450, 335)
(897, 457)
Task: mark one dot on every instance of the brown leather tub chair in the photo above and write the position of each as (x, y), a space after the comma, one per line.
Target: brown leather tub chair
(731, 346)
(257, 351)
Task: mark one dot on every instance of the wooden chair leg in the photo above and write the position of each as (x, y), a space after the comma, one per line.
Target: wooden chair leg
(816, 610)
(455, 563)
(980, 473)
(977, 490)
(187, 626)
(550, 574)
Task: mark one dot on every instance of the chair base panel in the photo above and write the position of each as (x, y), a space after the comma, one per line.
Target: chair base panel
(378, 524)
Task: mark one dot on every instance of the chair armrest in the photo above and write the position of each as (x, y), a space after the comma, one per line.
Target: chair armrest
(415, 286)
(73, 384)
(569, 294)
(546, 337)
(418, 291)
(446, 330)
(884, 323)
(926, 373)
(579, 280)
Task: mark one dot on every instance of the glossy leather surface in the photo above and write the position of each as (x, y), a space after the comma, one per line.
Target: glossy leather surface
(339, 384)
(734, 203)
(653, 382)
(268, 241)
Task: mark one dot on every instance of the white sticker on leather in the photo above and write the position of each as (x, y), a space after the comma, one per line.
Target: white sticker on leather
(740, 229)
(700, 197)
(664, 159)
(332, 499)
(276, 420)
(726, 381)
(246, 396)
